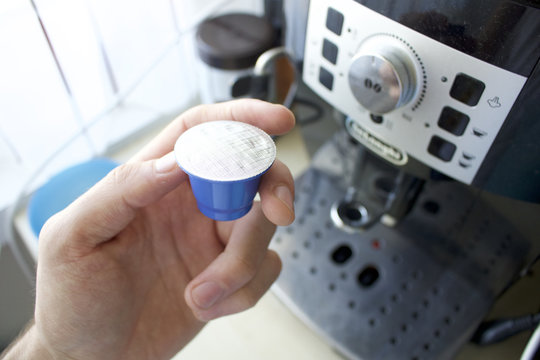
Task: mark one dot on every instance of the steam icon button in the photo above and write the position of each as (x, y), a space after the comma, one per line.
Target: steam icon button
(494, 102)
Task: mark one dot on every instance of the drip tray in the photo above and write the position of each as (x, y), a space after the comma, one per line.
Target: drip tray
(415, 291)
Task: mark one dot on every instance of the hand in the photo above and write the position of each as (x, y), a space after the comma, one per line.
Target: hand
(132, 269)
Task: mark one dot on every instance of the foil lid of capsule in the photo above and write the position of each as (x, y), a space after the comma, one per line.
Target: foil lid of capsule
(225, 151)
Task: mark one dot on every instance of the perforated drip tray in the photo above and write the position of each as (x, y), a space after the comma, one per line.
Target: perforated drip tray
(416, 291)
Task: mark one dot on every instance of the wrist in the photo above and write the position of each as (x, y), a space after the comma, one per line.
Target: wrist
(27, 346)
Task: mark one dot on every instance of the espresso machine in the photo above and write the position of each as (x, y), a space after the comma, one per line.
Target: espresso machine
(406, 229)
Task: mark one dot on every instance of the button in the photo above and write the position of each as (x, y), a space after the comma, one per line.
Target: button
(467, 89)
(334, 20)
(330, 51)
(441, 148)
(326, 78)
(453, 121)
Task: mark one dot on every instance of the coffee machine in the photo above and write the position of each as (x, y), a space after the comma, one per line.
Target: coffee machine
(402, 240)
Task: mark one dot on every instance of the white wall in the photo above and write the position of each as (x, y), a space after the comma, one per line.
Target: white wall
(104, 49)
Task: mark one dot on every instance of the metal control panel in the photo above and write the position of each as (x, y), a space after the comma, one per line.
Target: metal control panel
(406, 94)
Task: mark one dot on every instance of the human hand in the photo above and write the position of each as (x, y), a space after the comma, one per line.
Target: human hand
(133, 270)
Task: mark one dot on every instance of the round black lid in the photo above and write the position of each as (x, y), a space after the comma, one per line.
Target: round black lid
(233, 41)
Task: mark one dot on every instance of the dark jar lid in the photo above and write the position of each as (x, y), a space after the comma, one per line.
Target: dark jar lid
(233, 41)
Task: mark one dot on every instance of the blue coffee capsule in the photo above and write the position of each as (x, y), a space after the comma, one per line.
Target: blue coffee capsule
(224, 161)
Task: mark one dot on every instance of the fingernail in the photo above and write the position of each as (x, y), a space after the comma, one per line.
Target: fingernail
(165, 164)
(283, 193)
(206, 294)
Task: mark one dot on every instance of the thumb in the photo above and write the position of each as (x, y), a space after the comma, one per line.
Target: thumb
(110, 205)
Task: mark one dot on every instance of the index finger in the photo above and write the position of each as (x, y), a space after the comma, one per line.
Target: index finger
(273, 119)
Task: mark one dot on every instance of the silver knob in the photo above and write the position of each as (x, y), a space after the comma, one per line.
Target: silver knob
(383, 74)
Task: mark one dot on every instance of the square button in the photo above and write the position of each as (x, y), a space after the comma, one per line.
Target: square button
(326, 78)
(453, 121)
(441, 148)
(467, 89)
(330, 51)
(334, 21)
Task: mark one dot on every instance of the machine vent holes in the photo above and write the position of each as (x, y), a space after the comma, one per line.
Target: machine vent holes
(368, 276)
(311, 210)
(307, 244)
(447, 320)
(395, 298)
(435, 291)
(278, 240)
(393, 341)
(290, 230)
(457, 308)
(317, 234)
(301, 220)
(332, 287)
(295, 255)
(341, 254)
(404, 328)
(437, 333)
(329, 224)
(323, 202)
(313, 270)
(405, 286)
(372, 322)
(427, 346)
(384, 310)
(351, 304)
(343, 276)
(415, 315)
(431, 207)
(396, 259)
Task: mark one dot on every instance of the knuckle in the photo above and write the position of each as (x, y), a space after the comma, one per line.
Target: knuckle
(245, 269)
(249, 299)
(50, 226)
(275, 262)
(121, 174)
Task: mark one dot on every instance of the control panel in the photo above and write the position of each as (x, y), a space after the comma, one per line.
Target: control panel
(406, 95)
